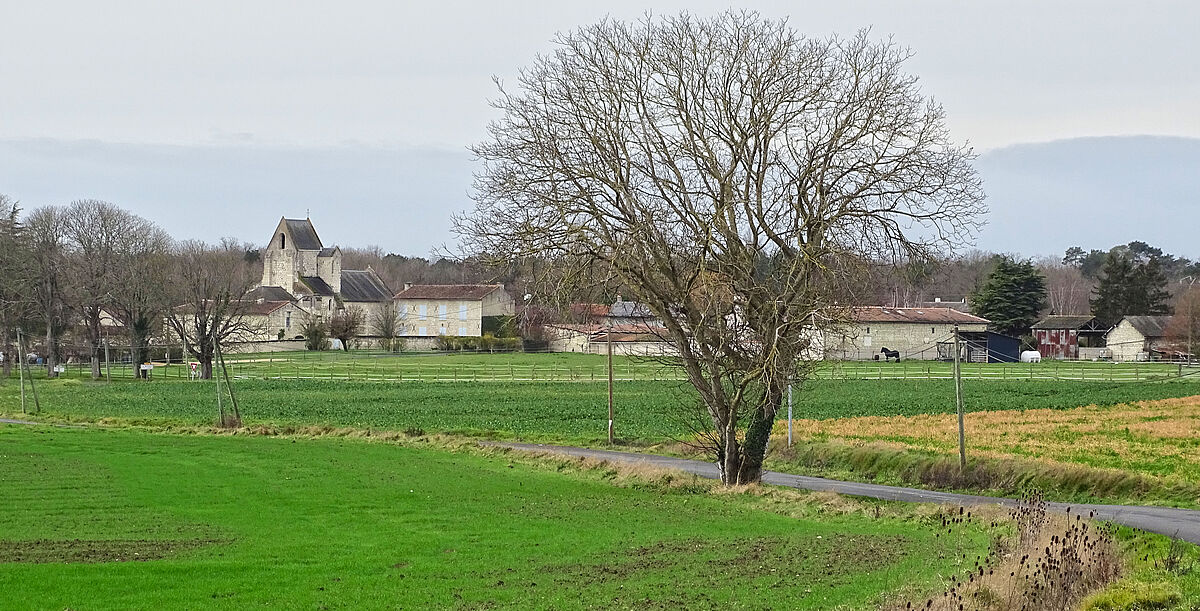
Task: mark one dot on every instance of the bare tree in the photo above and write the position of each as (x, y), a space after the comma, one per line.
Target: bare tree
(46, 244)
(141, 278)
(1067, 289)
(731, 174)
(208, 312)
(95, 230)
(346, 324)
(385, 324)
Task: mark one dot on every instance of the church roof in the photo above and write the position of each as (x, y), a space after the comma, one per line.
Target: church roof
(317, 285)
(327, 251)
(364, 285)
(269, 293)
(304, 235)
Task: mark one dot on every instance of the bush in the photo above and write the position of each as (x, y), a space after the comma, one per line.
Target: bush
(485, 343)
(316, 335)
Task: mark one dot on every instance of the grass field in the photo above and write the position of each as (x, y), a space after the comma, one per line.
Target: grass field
(95, 518)
(646, 412)
(569, 367)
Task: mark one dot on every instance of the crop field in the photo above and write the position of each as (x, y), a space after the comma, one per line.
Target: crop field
(571, 367)
(103, 518)
(646, 412)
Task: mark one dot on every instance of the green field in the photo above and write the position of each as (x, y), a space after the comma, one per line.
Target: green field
(95, 518)
(646, 412)
(569, 367)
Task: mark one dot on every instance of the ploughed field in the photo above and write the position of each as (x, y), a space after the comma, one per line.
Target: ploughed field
(104, 518)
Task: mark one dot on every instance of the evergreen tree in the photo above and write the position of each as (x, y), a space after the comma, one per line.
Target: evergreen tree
(1012, 297)
(1126, 289)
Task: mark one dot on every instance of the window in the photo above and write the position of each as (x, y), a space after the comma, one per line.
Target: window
(282, 241)
(287, 321)
(421, 331)
(932, 330)
(442, 312)
(422, 311)
(868, 330)
(462, 331)
(442, 330)
(462, 312)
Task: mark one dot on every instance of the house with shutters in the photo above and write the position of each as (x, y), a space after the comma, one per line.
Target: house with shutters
(302, 277)
(428, 311)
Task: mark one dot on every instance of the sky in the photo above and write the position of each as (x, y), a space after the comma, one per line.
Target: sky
(217, 118)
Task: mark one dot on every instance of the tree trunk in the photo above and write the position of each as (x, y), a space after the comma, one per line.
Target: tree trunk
(741, 461)
(7, 349)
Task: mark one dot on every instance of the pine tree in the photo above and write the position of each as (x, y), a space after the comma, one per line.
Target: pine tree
(1012, 297)
(1126, 289)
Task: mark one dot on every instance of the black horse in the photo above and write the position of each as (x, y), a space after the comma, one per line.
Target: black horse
(890, 354)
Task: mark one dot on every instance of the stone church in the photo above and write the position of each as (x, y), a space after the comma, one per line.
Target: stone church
(300, 270)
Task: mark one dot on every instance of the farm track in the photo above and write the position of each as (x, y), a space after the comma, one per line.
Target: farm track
(1181, 523)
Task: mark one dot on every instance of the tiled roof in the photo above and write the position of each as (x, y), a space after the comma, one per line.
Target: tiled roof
(630, 309)
(914, 315)
(269, 293)
(1063, 321)
(317, 285)
(304, 235)
(466, 292)
(363, 285)
(589, 310)
(327, 251)
(266, 307)
(1150, 326)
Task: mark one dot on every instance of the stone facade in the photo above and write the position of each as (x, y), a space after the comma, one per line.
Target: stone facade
(299, 270)
(455, 310)
(914, 332)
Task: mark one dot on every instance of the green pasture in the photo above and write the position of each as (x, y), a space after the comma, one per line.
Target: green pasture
(95, 518)
(646, 412)
(363, 365)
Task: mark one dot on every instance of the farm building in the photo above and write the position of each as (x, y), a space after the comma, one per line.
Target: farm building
(461, 310)
(981, 347)
(1070, 337)
(914, 332)
(1143, 338)
(627, 340)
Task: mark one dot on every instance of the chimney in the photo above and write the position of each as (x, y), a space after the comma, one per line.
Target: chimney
(937, 299)
(407, 285)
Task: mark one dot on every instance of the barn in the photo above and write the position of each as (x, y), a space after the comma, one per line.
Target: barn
(1070, 337)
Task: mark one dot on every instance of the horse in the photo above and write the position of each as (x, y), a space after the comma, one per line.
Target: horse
(890, 354)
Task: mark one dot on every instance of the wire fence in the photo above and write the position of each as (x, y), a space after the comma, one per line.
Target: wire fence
(374, 366)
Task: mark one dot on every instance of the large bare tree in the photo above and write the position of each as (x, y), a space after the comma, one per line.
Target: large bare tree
(96, 233)
(45, 239)
(141, 276)
(732, 175)
(209, 311)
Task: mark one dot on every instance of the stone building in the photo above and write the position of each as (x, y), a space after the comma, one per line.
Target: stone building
(299, 270)
(1142, 338)
(914, 332)
(461, 310)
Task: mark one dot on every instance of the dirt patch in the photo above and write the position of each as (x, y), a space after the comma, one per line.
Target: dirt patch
(83, 551)
(828, 559)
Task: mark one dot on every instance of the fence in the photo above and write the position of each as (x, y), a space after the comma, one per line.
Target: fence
(531, 367)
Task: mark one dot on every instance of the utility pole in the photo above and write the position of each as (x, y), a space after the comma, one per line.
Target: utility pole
(958, 400)
(608, 337)
(37, 405)
(21, 369)
(107, 369)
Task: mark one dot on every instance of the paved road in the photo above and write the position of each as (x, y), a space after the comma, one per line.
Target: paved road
(1182, 523)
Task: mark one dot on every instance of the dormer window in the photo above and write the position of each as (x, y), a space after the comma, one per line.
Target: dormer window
(282, 241)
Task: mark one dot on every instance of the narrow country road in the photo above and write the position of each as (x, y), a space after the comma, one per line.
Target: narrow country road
(1181, 523)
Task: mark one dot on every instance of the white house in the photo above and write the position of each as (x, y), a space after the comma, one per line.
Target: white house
(461, 310)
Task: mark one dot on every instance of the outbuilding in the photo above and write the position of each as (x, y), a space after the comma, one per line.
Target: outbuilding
(1070, 337)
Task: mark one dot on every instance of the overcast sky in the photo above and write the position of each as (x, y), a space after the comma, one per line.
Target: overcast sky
(403, 79)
